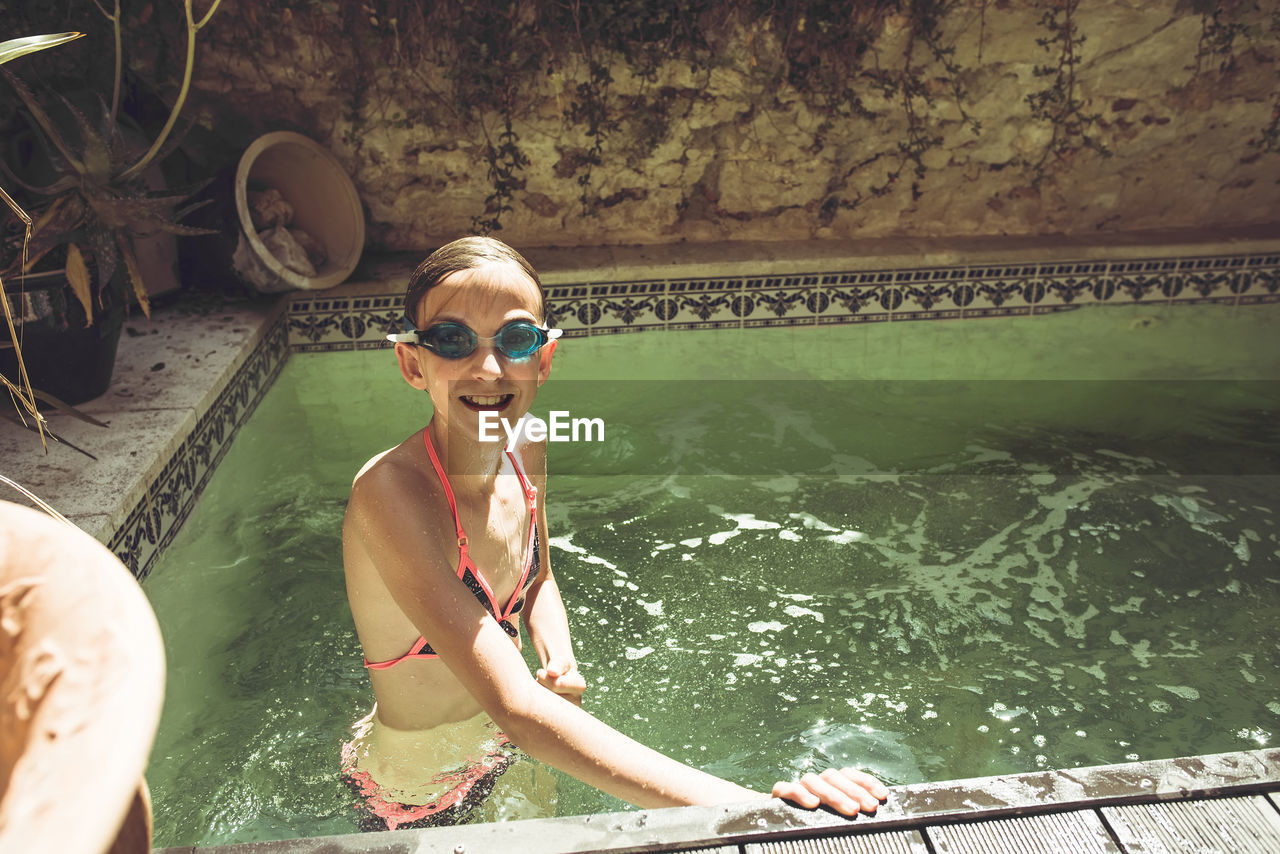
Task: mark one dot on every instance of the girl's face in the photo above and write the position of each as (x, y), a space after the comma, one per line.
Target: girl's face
(484, 299)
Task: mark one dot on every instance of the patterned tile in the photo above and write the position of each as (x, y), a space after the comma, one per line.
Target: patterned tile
(859, 297)
(1075, 283)
(569, 307)
(1207, 280)
(370, 318)
(1040, 295)
(784, 301)
(1145, 281)
(927, 292)
(706, 303)
(153, 522)
(997, 291)
(1255, 282)
(320, 323)
(629, 306)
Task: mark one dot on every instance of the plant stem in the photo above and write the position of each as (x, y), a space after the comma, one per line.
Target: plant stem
(192, 29)
(37, 500)
(115, 89)
(115, 86)
(25, 394)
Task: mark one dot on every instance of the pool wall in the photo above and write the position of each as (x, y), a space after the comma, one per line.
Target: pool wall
(612, 291)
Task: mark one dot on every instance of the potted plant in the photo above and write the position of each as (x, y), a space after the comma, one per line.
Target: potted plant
(81, 177)
(20, 391)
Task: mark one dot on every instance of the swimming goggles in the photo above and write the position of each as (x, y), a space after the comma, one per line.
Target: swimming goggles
(518, 340)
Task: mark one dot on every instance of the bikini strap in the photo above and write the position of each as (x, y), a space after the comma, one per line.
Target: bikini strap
(416, 649)
(448, 493)
(530, 491)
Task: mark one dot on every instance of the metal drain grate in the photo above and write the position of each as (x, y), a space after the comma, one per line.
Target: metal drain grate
(1078, 832)
(1248, 825)
(887, 842)
(883, 843)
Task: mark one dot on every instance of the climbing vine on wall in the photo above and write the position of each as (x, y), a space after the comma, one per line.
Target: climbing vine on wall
(1225, 27)
(499, 55)
(1060, 103)
(880, 86)
(837, 67)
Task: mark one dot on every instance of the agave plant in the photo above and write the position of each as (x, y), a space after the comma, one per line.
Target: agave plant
(97, 204)
(95, 207)
(21, 392)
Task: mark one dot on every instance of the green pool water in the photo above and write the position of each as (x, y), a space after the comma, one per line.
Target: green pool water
(936, 550)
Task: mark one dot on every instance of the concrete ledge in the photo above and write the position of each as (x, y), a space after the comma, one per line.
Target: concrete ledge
(169, 371)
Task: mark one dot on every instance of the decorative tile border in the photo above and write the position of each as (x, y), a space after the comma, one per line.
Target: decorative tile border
(572, 309)
(321, 324)
(151, 525)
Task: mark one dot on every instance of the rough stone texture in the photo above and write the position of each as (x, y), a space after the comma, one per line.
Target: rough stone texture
(734, 153)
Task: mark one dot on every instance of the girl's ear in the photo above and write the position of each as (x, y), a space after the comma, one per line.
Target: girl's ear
(410, 367)
(544, 361)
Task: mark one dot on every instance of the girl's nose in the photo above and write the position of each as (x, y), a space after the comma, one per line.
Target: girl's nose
(486, 363)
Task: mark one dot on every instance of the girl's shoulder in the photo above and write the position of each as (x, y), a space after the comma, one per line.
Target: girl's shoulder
(397, 472)
(397, 494)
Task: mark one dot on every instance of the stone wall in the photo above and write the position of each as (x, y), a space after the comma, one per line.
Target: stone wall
(1168, 131)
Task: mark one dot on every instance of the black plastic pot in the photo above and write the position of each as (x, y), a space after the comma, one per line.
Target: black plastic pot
(64, 357)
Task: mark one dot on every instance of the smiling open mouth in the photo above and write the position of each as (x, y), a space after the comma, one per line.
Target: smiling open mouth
(479, 402)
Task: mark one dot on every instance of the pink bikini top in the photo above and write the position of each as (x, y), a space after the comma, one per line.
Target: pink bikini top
(471, 574)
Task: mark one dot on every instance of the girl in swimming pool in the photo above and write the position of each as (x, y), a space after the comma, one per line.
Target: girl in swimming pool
(445, 552)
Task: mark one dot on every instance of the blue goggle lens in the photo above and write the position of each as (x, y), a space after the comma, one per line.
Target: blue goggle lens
(517, 340)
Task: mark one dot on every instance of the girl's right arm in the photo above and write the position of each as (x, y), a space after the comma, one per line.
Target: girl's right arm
(413, 563)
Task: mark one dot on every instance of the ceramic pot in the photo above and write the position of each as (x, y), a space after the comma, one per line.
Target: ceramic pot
(321, 203)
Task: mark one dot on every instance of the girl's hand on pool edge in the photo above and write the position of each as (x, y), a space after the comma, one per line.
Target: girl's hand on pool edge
(563, 678)
(847, 791)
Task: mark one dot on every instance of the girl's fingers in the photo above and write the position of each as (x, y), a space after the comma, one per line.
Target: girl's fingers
(571, 685)
(796, 793)
(878, 790)
(831, 794)
(855, 786)
(563, 680)
(847, 791)
(555, 669)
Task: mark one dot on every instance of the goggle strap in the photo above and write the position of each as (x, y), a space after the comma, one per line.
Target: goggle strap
(410, 335)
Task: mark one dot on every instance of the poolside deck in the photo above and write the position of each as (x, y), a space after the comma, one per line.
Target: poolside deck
(1227, 803)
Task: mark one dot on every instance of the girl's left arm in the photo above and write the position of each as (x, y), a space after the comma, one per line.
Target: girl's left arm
(545, 616)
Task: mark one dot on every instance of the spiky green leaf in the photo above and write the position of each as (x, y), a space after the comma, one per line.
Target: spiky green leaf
(78, 276)
(14, 48)
(46, 124)
(135, 274)
(95, 152)
(184, 230)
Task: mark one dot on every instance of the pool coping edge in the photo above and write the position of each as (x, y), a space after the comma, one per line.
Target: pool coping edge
(908, 806)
